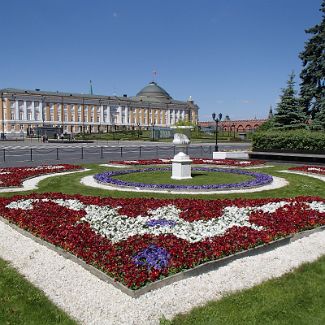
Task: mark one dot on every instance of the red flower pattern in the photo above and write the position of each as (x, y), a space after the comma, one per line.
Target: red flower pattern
(62, 227)
(196, 161)
(310, 169)
(14, 176)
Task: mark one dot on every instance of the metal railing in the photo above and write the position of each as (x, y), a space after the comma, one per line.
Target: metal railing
(97, 154)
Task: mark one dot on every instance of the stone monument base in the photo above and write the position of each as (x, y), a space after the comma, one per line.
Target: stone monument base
(181, 166)
(230, 155)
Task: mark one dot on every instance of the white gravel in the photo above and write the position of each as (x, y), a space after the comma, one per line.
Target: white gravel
(278, 182)
(32, 183)
(322, 178)
(92, 301)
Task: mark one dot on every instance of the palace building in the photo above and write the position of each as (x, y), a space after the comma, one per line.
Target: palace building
(26, 110)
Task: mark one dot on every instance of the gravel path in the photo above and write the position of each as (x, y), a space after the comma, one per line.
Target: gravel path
(92, 301)
(278, 182)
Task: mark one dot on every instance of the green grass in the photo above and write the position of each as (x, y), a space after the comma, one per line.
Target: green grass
(22, 303)
(297, 298)
(198, 178)
(70, 184)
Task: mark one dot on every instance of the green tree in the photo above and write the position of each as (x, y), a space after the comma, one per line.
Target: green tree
(312, 87)
(289, 113)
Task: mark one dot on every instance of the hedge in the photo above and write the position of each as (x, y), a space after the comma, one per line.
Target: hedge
(289, 141)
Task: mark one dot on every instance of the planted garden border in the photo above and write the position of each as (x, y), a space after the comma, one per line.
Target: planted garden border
(259, 179)
(61, 220)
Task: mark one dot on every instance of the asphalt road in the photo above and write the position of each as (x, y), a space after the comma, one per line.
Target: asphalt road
(31, 153)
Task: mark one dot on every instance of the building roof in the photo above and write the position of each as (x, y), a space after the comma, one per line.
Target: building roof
(154, 91)
(151, 95)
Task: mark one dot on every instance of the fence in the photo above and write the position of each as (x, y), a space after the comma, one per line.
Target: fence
(98, 153)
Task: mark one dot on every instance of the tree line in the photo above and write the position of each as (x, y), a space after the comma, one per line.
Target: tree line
(306, 109)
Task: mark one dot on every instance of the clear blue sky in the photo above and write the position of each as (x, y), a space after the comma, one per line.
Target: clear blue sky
(231, 56)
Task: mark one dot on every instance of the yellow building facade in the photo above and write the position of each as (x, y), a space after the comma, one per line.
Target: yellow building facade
(22, 110)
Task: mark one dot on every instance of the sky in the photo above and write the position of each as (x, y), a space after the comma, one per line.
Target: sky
(232, 56)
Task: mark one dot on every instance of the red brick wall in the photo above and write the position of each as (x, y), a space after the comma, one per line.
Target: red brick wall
(240, 125)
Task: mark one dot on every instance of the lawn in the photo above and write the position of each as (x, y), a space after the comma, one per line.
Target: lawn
(198, 178)
(295, 298)
(22, 303)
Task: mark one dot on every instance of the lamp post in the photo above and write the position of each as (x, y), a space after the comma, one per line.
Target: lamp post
(234, 126)
(217, 120)
(3, 118)
(138, 124)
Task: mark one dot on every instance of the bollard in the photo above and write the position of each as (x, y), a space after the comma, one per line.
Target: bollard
(157, 152)
(57, 153)
(4, 154)
(201, 151)
(31, 154)
(82, 152)
(101, 152)
(140, 151)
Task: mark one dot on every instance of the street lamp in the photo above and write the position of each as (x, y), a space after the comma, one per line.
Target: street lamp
(3, 118)
(217, 120)
(234, 126)
(138, 124)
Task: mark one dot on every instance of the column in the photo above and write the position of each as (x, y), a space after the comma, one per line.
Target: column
(17, 111)
(174, 117)
(101, 119)
(25, 110)
(126, 115)
(41, 114)
(33, 112)
(109, 118)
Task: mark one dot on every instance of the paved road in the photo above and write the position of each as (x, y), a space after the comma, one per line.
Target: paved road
(34, 153)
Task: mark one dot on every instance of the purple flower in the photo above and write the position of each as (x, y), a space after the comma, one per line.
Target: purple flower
(259, 179)
(152, 257)
(160, 222)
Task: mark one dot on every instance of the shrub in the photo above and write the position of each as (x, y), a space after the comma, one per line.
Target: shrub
(289, 141)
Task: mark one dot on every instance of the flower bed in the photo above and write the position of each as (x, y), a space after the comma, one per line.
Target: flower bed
(138, 241)
(14, 176)
(258, 179)
(310, 169)
(196, 161)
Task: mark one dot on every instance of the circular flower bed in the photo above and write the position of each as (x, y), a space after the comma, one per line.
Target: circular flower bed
(310, 169)
(195, 161)
(259, 179)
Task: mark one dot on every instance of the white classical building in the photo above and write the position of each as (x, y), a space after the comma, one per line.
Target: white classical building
(22, 110)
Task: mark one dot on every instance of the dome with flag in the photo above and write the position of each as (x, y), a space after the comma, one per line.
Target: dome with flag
(153, 90)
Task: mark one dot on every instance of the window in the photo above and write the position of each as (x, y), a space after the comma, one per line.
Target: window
(12, 114)
(21, 115)
(12, 127)
(36, 105)
(37, 115)
(29, 115)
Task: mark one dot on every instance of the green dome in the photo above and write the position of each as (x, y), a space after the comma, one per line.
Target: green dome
(153, 90)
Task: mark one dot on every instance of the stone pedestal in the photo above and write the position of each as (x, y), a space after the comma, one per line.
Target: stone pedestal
(181, 166)
(230, 155)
